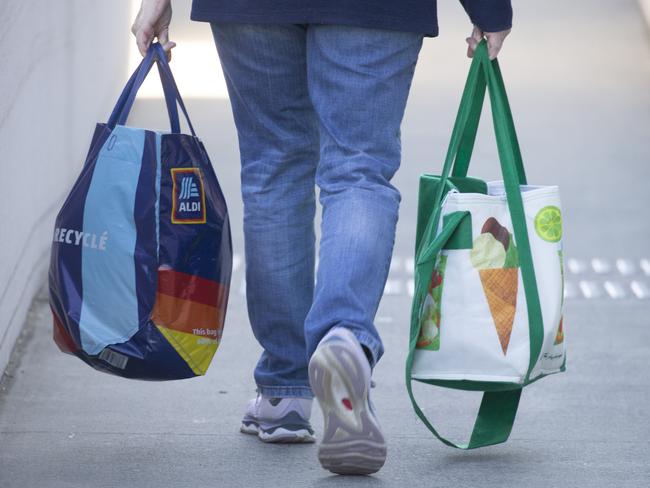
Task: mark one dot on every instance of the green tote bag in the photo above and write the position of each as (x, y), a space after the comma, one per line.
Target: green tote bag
(487, 312)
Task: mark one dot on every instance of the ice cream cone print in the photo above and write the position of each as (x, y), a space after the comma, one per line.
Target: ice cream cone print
(500, 288)
(494, 255)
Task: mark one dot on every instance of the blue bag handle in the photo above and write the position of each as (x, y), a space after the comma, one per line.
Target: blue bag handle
(155, 54)
(127, 97)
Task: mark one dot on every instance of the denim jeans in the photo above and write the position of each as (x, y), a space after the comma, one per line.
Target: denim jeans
(315, 105)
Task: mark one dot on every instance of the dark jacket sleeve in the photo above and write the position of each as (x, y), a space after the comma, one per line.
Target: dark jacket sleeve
(489, 15)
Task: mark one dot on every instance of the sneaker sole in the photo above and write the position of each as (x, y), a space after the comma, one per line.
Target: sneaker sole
(251, 429)
(279, 435)
(352, 440)
(284, 436)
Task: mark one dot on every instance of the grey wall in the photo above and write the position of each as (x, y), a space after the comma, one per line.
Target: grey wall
(645, 6)
(62, 64)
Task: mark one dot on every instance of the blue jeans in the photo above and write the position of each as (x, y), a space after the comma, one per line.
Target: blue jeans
(315, 105)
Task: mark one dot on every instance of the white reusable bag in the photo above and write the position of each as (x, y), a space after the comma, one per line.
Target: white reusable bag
(488, 295)
(484, 320)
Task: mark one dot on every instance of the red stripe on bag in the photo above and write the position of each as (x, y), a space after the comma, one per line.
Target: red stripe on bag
(191, 287)
(61, 336)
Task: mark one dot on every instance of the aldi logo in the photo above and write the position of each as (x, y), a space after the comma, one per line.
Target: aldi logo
(188, 196)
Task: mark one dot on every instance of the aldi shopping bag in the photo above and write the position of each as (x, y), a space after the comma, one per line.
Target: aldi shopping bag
(141, 257)
(488, 294)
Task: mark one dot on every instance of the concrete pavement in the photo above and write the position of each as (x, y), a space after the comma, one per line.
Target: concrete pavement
(578, 75)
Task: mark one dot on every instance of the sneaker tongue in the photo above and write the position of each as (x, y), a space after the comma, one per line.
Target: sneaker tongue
(275, 401)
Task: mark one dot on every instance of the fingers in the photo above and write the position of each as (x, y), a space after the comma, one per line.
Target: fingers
(142, 35)
(473, 40)
(143, 38)
(495, 42)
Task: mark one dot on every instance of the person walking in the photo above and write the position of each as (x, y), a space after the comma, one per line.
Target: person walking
(318, 90)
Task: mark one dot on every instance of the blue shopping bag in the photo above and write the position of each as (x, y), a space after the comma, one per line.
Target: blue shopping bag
(142, 255)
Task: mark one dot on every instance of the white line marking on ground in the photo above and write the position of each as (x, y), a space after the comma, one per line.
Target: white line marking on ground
(614, 290)
(393, 287)
(410, 286)
(645, 266)
(601, 266)
(236, 262)
(640, 289)
(242, 287)
(384, 320)
(395, 264)
(576, 266)
(625, 266)
(590, 289)
(409, 264)
(570, 290)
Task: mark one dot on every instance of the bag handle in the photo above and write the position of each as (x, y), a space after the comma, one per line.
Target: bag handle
(155, 54)
(463, 134)
(497, 412)
(513, 177)
(469, 112)
(466, 143)
(132, 86)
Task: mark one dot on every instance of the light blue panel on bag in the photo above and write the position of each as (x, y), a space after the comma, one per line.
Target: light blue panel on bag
(158, 170)
(109, 312)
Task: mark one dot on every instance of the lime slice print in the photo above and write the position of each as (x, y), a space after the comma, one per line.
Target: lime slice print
(548, 224)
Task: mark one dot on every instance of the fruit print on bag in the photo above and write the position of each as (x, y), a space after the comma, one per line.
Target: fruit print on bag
(548, 223)
(495, 256)
(429, 337)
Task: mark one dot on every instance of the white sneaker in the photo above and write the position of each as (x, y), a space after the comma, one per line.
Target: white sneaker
(283, 420)
(339, 373)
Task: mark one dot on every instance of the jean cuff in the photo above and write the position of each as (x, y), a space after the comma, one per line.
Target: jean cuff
(285, 391)
(369, 341)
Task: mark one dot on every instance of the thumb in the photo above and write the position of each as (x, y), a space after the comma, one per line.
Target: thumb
(477, 34)
(473, 40)
(167, 45)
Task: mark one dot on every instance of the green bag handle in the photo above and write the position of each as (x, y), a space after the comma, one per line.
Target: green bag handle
(513, 176)
(466, 143)
(466, 125)
(498, 409)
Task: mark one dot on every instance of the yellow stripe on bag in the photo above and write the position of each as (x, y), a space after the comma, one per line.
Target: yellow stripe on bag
(197, 351)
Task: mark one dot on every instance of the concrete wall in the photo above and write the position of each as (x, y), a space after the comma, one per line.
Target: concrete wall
(62, 64)
(645, 6)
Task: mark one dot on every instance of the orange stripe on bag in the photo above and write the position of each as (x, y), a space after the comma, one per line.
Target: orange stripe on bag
(187, 316)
